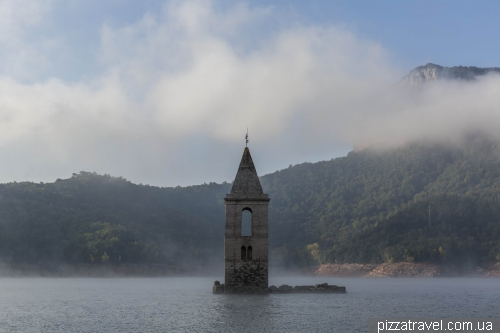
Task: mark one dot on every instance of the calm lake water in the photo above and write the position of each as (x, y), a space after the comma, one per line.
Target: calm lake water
(188, 305)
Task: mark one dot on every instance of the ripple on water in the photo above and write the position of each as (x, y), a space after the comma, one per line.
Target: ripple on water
(187, 304)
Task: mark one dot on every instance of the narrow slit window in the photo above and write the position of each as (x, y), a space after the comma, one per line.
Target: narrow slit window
(246, 223)
(249, 253)
(243, 253)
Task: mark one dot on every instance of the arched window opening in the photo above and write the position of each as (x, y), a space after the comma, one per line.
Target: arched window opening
(246, 222)
(243, 253)
(249, 253)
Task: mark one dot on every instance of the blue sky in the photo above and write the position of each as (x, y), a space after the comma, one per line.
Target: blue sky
(450, 33)
(161, 92)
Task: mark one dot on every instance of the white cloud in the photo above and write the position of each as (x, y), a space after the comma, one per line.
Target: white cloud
(18, 15)
(23, 51)
(180, 87)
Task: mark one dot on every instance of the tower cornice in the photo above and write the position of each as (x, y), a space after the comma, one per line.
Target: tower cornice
(240, 199)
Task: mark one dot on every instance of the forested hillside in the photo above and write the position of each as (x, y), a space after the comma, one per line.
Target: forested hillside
(373, 206)
(370, 206)
(91, 218)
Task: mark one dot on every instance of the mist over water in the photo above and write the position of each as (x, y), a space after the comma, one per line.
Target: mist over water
(188, 305)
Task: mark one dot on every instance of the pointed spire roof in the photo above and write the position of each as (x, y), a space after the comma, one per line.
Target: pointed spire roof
(246, 184)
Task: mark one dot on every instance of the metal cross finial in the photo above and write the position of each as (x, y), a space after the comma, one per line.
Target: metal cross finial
(246, 139)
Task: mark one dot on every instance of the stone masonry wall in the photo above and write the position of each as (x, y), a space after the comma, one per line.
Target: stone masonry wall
(243, 273)
(249, 277)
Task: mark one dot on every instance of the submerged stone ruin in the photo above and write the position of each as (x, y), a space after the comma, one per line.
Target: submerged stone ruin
(246, 233)
(246, 239)
(322, 288)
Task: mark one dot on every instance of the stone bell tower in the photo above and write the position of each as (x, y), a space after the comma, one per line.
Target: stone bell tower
(246, 237)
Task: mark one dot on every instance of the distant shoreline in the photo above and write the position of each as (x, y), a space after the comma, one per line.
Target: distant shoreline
(387, 270)
(405, 269)
(89, 270)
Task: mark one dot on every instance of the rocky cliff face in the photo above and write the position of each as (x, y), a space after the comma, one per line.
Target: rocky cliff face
(432, 72)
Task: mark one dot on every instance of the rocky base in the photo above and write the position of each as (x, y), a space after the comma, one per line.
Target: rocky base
(218, 288)
(323, 288)
(249, 277)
